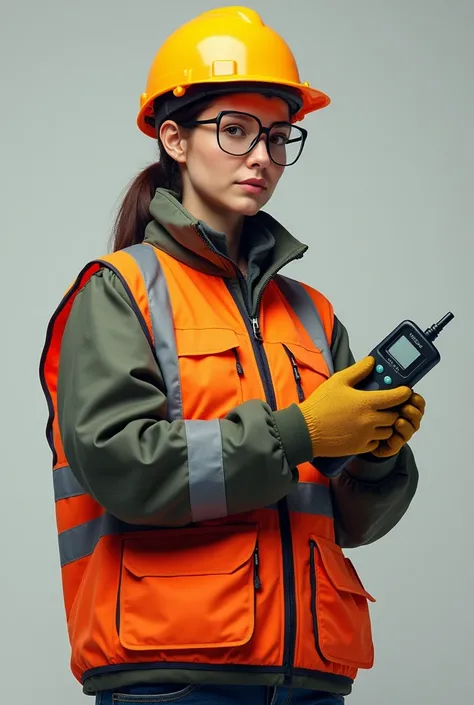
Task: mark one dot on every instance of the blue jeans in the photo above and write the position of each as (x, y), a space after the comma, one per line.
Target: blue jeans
(216, 695)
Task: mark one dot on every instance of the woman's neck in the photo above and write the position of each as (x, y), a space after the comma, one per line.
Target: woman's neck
(229, 224)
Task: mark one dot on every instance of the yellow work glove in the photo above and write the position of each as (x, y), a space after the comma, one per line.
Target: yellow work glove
(345, 421)
(409, 422)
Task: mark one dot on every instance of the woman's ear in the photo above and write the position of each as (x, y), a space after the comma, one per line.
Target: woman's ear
(173, 140)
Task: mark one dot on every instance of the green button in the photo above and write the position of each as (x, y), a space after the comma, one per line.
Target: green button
(387, 380)
(379, 369)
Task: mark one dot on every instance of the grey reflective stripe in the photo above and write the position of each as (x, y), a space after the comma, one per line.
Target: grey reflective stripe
(309, 498)
(303, 306)
(162, 324)
(81, 540)
(65, 484)
(206, 470)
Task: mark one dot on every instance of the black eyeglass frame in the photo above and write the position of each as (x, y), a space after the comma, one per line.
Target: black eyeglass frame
(262, 131)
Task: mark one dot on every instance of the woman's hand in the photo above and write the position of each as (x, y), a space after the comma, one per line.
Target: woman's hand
(411, 415)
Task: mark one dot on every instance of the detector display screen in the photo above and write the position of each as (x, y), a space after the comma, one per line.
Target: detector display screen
(404, 352)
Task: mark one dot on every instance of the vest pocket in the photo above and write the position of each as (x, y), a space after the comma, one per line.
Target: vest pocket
(191, 588)
(308, 369)
(211, 371)
(339, 604)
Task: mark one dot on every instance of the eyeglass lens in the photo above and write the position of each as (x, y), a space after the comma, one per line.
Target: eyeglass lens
(238, 132)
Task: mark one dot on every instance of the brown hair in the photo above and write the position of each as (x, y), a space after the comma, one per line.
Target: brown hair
(133, 214)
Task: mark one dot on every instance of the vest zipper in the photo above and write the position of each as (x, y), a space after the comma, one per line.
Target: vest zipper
(283, 511)
(253, 328)
(296, 374)
(257, 334)
(252, 324)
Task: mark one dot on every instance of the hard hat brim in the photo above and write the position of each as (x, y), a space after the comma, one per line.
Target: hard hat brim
(310, 98)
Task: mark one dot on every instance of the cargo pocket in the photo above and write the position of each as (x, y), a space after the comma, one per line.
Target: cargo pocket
(210, 364)
(191, 588)
(339, 603)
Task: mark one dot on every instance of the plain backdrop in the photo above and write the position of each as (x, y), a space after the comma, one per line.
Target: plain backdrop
(383, 195)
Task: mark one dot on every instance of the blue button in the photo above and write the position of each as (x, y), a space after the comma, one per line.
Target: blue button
(379, 369)
(387, 380)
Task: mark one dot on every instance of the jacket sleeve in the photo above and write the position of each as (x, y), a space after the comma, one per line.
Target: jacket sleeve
(134, 462)
(370, 495)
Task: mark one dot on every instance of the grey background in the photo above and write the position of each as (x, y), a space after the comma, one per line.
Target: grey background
(384, 197)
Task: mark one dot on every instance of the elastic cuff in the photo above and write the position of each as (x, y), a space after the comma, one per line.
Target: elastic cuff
(369, 468)
(294, 435)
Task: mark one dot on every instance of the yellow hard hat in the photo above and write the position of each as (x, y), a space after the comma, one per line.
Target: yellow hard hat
(225, 49)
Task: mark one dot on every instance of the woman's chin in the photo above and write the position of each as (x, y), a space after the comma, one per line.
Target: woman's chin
(248, 204)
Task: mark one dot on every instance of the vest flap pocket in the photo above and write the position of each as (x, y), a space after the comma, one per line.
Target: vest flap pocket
(341, 619)
(205, 341)
(202, 552)
(210, 371)
(311, 359)
(190, 588)
(340, 569)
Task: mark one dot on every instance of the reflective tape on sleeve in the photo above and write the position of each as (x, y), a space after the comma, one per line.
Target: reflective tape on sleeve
(206, 470)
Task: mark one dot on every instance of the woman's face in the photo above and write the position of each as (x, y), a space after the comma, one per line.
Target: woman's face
(213, 178)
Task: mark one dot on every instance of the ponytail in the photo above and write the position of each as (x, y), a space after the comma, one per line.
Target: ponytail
(134, 213)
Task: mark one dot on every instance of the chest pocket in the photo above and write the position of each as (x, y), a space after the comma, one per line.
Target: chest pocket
(308, 368)
(210, 371)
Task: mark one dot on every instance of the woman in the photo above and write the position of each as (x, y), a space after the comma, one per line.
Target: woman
(191, 390)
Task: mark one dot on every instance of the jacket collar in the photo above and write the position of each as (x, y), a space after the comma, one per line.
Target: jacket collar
(175, 231)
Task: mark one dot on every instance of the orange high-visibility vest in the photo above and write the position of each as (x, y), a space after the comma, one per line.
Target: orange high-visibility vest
(268, 589)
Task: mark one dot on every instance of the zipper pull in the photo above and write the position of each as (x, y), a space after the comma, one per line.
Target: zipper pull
(296, 371)
(256, 576)
(256, 329)
(296, 374)
(238, 364)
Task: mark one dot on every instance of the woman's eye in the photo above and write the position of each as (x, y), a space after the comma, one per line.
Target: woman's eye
(235, 130)
(279, 140)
